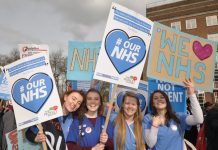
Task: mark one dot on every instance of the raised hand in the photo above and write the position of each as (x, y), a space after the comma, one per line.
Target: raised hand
(189, 86)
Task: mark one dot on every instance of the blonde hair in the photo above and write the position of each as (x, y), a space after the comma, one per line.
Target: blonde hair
(121, 125)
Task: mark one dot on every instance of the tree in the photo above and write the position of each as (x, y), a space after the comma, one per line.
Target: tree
(7, 59)
(59, 68)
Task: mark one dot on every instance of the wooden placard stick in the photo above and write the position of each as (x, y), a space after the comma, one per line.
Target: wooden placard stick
(39, 126)
(114, 90)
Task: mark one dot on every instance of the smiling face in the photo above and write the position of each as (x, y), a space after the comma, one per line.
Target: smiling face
(159, 101)
(130, 106)
(93, 101)
(73, 101)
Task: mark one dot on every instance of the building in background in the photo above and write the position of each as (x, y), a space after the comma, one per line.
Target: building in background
(196, 17)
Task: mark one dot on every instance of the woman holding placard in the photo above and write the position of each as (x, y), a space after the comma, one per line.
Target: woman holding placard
(129, 130)
(56, 130)
(86, 132)
(164, 128)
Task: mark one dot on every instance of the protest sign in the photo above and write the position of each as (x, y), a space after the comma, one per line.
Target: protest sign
(33, 90)
(24, 143)
(124, 47)
(81, 85)
(30, 49)
(11, 139)
(175, 55)
(82, 58)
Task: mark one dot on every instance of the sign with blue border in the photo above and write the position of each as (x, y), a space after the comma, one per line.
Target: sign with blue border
(33, 90)
(124, 47)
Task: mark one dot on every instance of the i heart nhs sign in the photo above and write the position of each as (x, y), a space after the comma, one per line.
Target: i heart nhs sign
(124, 52)
(32, 93)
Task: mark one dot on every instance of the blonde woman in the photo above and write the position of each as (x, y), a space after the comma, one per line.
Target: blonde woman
(128, 132)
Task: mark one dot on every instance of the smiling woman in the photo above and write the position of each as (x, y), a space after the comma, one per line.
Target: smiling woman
(165, 128)
(128, 132)
(56, 130)
(86, 130)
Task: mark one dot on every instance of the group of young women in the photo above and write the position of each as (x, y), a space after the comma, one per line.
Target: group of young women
(81, 127)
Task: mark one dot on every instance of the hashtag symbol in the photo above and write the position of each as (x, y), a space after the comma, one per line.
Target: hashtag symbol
(119, 41)
(22, 89)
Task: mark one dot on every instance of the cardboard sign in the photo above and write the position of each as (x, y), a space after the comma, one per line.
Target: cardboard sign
(82, 58)
(30, 49)
(176, 93)
(175, 55)
(124, 47)
(33, 90)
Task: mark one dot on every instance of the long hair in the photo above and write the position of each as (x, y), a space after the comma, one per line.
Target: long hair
(121, 125)
(67, 93)
(84, 108)
(169, 114)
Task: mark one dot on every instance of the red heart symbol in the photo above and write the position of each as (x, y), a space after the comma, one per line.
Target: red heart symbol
(202, 52)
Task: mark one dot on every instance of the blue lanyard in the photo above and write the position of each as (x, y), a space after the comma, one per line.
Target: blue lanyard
(65, 125)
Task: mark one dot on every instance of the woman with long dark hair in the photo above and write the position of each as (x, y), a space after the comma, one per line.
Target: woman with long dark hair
(165, 128)
(86, 130)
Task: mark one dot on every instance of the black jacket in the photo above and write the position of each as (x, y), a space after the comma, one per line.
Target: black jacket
(211, 128)
(53, 132)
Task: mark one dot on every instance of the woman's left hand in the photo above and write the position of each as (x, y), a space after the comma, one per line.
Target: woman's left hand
(190, 86)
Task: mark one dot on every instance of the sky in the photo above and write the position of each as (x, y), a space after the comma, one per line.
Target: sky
(55, 22)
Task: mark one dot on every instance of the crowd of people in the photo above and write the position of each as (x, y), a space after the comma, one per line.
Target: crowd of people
(82, 125)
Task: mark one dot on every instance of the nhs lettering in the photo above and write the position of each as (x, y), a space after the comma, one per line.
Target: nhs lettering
(86, 59)
(182, 61)
(36, 90)
(82, 58)
(175, 56)
(33, 93)
(124, 52)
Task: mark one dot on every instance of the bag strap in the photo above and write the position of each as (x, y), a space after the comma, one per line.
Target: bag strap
(80, 131)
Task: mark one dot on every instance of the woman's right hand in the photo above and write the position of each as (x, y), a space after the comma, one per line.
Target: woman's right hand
(40, 137)
(157, 120)
(98, 147)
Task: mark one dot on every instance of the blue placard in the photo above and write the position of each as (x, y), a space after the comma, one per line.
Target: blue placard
(82, 58)
(176, 93)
